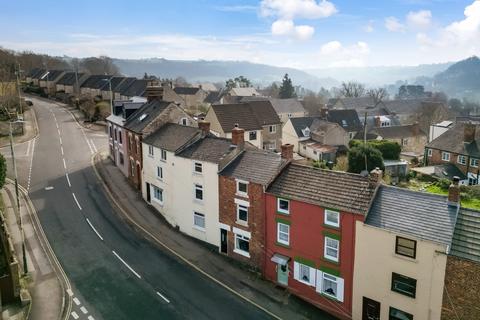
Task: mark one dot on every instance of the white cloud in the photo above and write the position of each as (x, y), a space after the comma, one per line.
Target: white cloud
(291, 9)
(287, 10)
(456, 40)
(339, 55)
(289, 29)
(394, 25)
(369, 27)
(419, 19)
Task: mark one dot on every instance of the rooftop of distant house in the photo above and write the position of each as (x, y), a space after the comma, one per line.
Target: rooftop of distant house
(141, 118)
(172, 136)
(453, 140)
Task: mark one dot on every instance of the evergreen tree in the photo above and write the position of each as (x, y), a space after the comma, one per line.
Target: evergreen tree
(286, 89)
(356, 158)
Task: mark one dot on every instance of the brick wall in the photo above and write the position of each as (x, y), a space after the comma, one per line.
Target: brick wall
(436, 159)
(256, 219)
(461, 294)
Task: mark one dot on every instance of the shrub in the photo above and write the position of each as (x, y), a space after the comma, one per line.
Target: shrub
(356, 158)
(389, 149)
(443, 184)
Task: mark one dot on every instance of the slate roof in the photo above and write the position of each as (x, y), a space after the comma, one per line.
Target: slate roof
(361, 105)
(326, 188)
(347, 119)
(33, 72)
(244, 92)
(69, 79)
(466, 238)
(143, 116)
(210, 149)
(423, 215)
(39, 73)
(52, 75)
(186, 90)
(212, 97)
(403, 106)
(397, 132)
(127, 82)
(452, 141)
(249, 116)
(448, 171)
(257, 166)
(172, 136)
(137, 88)
(287, 105)
(96, 81)
(116, 81)
(301, 123)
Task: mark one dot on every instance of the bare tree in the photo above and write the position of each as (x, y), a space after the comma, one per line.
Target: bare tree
(352, 89)
(378, 95)
(431, 112)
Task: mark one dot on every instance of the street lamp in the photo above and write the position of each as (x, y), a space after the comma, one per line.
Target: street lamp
(22, 233)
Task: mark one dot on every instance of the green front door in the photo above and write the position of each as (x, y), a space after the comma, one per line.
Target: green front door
(282, 274)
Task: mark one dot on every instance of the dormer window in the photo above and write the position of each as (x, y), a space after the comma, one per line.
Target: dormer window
(306, 132)
(344, 123)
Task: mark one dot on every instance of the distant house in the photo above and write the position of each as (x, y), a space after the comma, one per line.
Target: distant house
(310, 220)
(192, 97)
(410, 137)
(137, 88)
(296, 130)
(459, 146)
(401, 254)
(403, 109)
(35, 75)
(243, 92)
(212, 97)
(145, 121)
(347, 118)
(49, 80)
(288, 108)
(112, 84)
(325, 140)
(94, 84)
(32, 73)
(68, 83)
(364, 106)
(438, 129)
(258, 118)
(242, 187)
(117, 91)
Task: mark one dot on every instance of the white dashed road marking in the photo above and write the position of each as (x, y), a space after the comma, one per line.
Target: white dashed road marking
(76, 201)
(163, 297)
(93, 228)
(69, 292)
(84, 310)
(126, 265)
(74, 315)
(48, 188)
(90, 318)
(77, 302)
(68, 180)
(64, 164)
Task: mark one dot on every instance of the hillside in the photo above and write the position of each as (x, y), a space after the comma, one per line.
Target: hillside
(461, 79)
(219, 71)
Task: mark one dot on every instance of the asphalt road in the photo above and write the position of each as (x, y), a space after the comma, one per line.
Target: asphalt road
(114, 273)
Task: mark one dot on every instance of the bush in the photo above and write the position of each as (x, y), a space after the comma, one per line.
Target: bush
(389, 149)
(443, 184)
(356, 159)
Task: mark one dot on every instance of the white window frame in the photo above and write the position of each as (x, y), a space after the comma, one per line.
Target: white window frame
(150, 150)
(120, 139)
(339, 281)
(404, 142)
(326, 247)
(195, 163)
(473, 161)
(160, 201)
(445, 156)
(163, 155)
(238, 192)
(279, 240)
(237, 248)
(159, 172)
(464, 159)
(241, 206)
(429, 152)
(283, 210)
(256, 135)
(272, 128)
(201, 216)
(199, 187)
(330, 223)
(184, 121)
(297, 266)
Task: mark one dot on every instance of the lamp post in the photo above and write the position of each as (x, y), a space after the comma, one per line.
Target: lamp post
(20, 223)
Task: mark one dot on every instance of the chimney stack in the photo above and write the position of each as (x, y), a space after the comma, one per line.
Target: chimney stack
(154, 90)
(238, 136)
(454, 193)
(376, 175)
(204, 126)
(416, 128)
(469, 132)
(287, 151)
(324, 112)
(377, 122)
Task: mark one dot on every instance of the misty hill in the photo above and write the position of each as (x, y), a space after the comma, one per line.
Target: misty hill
(220, 71)
(382, 75)
(461, 79)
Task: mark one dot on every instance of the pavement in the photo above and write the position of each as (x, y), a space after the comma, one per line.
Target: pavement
(204, 259)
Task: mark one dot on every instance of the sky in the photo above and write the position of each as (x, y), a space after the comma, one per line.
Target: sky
(304, 34)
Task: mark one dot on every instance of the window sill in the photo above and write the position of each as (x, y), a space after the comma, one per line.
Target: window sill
(331, 227)
(199, 228)
(242, 253)
(197, 201)
(242, 195)
(283, 213)
(399, 256)
(160, 203)
(403, 294)
(197, 174)
(282, 245)
(242, 223)
(150, 156)
(330, 260)
(163, 160)
(329, 297)
(305, 283)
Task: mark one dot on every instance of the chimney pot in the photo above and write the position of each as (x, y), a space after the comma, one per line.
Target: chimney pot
(205, 127)
(376, 175)
(238, 136)
(324, 112)
(469, 132)
(287, 151)
(454, 192)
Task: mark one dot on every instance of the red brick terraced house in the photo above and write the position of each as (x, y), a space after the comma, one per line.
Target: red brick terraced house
(242, 187)
(310, 239)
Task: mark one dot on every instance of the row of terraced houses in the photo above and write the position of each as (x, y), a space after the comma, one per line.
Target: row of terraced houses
(347, 243)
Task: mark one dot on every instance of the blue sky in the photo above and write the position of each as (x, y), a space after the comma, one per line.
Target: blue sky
(295, 33)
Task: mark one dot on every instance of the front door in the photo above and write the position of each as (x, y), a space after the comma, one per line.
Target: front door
(149, 197)
(282, 274)
(223, 241)
(371, 309)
